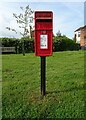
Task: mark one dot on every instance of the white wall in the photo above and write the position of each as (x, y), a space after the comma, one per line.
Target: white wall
(77, 36)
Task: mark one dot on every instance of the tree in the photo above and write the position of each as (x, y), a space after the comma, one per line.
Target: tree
(24, 21)
(58, 33)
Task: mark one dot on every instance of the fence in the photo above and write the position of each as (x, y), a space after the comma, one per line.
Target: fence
(8, 49)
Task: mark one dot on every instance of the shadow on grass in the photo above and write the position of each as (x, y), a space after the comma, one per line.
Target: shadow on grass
(75, 89)
(66, 90)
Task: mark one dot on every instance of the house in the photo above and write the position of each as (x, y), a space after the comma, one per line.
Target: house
(80, 36)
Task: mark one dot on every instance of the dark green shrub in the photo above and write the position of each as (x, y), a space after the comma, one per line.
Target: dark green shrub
(61, 43)
(17, 43)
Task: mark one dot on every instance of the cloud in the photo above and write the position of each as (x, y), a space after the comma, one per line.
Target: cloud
(41, 1)
(7, 20)
(67, 16)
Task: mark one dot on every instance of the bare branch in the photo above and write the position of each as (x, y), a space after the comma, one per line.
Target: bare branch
(14, 31)
(22, 8)
(11, 29)
(21, 34)
(24, 20)
(15, 15)
(8, 28)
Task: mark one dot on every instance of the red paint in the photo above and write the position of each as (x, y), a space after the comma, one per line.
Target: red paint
(43, 29)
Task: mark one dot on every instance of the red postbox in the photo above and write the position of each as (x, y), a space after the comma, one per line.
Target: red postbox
(43, 33)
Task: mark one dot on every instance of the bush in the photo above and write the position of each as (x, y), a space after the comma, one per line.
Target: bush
(28, 45)
(17, 43)
(8, 42)
(61, 43)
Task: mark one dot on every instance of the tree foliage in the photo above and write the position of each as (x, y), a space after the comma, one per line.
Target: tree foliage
(63, 43)
(58, 33)
(24, 21)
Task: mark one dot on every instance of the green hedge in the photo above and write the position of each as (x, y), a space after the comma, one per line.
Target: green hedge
(64, 45)
(59, 44)
(17, 43)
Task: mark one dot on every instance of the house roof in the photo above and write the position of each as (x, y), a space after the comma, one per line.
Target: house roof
(83, 27)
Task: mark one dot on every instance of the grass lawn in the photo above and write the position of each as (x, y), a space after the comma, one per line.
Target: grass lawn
(64, 86)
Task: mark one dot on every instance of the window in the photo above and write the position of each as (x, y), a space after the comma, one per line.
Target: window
(78, 34)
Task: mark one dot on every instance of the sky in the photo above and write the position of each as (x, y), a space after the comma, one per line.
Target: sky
(67, 16)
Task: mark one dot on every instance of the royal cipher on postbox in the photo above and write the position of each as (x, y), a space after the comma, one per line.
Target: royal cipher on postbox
(43, 33)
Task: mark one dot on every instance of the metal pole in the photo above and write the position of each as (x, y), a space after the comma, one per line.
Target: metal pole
(43, 75)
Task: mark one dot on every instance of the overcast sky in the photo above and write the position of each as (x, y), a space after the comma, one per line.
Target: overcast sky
(67, 16)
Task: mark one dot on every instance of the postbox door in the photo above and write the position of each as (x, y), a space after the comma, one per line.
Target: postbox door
(44, 43)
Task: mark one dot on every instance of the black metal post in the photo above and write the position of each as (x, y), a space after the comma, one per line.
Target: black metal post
(43, 75)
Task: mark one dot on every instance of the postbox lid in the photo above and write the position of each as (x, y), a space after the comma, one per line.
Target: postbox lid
(43, 14)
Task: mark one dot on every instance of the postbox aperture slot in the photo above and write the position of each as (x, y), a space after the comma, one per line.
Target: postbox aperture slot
(44, 25)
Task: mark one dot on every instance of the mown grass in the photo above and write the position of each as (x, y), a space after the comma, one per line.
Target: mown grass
(64, 86)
